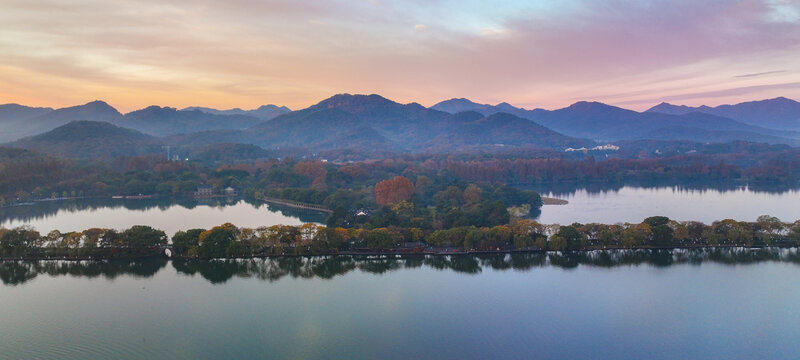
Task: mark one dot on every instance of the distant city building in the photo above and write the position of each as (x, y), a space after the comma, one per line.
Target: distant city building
(607, 147)
(204, 190)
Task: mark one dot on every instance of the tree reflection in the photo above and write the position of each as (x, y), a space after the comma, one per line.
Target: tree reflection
(46, 209)
(18, 272)
(219, 271)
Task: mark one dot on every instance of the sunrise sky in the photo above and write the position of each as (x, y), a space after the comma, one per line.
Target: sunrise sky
(548, 54)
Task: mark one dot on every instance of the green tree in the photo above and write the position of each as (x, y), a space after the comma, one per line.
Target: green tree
(142, 237)
(573, 238)
(379, 238)
(182, 241)
(661, 233)
(18, 241)
(214, 243)
(557, 243)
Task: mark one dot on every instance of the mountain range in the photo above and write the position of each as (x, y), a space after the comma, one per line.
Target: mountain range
(83, 139)
(606, 123)
(18, 121)
(778, 113)
(263, 112)
(374, 124)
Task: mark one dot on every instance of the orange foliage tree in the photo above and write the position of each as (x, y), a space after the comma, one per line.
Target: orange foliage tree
(311, 169)
(394, 190)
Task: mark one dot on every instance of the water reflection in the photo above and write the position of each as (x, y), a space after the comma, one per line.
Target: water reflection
(327, 267)
(40, 212)
(18, 272)
(683, 203)
(565, 189)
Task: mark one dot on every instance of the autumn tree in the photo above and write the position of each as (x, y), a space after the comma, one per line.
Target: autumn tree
(311, 169)
(394, 190)
(215, 241)
(17, 241)
(472, 195)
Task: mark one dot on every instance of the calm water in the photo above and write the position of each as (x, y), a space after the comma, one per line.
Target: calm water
(169, 215)
(633, 204)
(605, 205)
(722, 304)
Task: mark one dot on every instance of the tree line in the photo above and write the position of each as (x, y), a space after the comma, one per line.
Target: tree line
(227, 240)
(26, 176)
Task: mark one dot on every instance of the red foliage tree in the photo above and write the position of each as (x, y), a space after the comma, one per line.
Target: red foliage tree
(393, 191)
(311, 169)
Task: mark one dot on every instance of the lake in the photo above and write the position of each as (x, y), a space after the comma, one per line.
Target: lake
(732, 304)
(169, 215)
(594, 204)
(633, 204)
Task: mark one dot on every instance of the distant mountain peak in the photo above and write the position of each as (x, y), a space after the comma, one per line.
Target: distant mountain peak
(584, 106)
(457, 105)
(780, 100)
(98, 107)
(97, 103)
(346, 98)
(93, 110)
(353, 102)
(87, 129)
(587, 103)
(271, 107)
(667, 108)
(90, 139)
(152, 110)
(463, 101)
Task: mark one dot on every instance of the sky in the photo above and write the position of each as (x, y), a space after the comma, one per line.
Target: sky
(545, 54)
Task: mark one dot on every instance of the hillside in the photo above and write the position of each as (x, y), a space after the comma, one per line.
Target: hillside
(459, 105)
(609, 123)
(162, 121)
(777, 113)
(14, 119)
(500, 130)
(228, 152)
(263, 112)
(11, 154)
(374, 123)
(704, 135)
(368, 124)
(91, 140)
(20, 121)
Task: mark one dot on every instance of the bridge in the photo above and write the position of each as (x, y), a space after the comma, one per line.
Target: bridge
(296, 204)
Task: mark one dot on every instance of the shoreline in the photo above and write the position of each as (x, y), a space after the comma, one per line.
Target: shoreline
(296, 205)
(553, 201)
(427, 252)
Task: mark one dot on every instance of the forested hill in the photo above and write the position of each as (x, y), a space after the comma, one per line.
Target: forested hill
(342, 121)
(162, 121)
(778, 113)
(91, 139)
(370, 125)
(263, 112)
(19, 121)
(604, 122)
